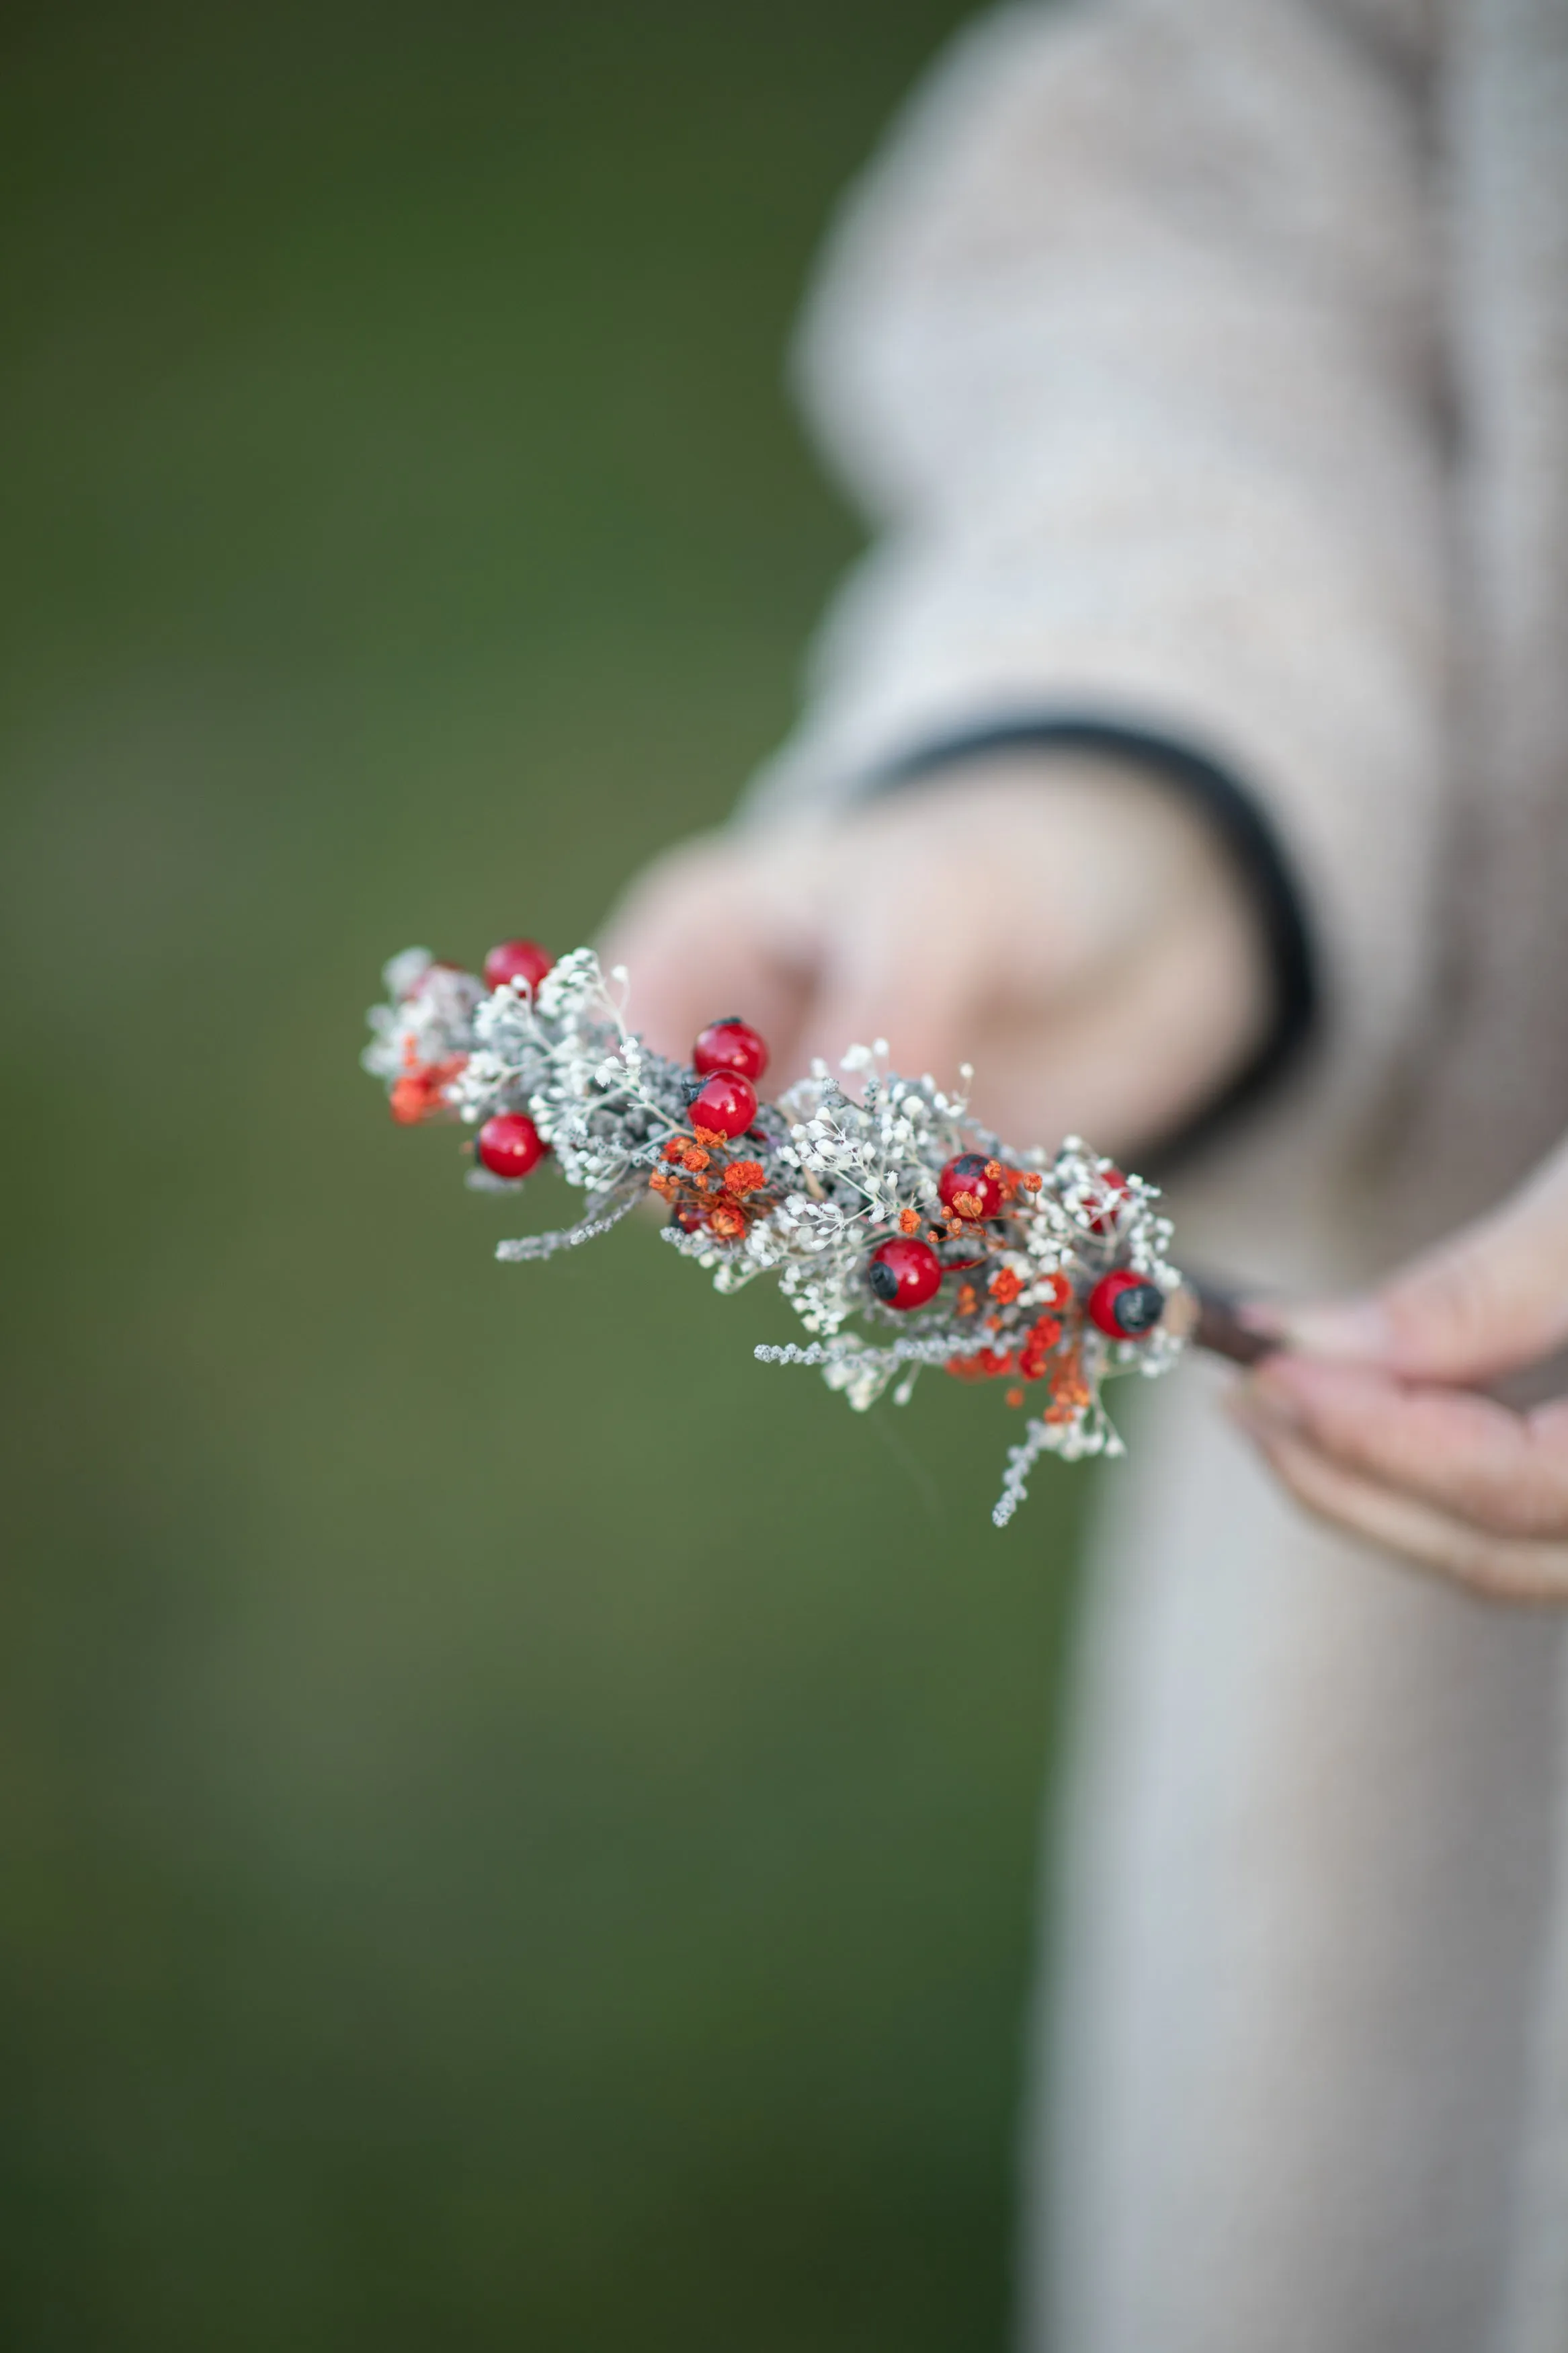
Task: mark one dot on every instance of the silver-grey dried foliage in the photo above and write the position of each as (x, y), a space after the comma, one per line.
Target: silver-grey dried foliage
(842, 1173)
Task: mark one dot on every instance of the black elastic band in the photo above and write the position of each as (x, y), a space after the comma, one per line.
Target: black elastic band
(1248, 835)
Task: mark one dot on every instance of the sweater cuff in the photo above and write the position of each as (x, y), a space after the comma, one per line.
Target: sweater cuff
(1250, 839)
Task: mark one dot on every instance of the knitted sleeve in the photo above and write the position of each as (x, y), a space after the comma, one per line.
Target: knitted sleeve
(1128, 348)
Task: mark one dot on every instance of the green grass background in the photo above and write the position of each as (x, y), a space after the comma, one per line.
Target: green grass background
(517, 1822)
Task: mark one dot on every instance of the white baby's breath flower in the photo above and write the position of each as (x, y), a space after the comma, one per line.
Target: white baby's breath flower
(832, 1180)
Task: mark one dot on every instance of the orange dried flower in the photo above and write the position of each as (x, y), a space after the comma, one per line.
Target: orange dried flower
(1004, 1286)
(909, 1221)
(1034, 1357)
(674, 1147)
(967, 1302)
(1031, 1180)
(693, 1157)
(710, 1137)
(727, 1223)
(1069, 1391)
(993, 1170)
(967, 1205)
(419, 1093)
(743, 1176)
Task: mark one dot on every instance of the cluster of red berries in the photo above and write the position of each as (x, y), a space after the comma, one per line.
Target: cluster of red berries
(721, 1102)
(905, 1273)
(728, 1058)
(510, 1145)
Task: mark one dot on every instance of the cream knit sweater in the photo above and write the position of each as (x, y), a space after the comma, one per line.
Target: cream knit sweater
(1204, 365)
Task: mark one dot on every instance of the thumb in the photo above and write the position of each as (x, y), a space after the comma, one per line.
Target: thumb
(1493, 1297)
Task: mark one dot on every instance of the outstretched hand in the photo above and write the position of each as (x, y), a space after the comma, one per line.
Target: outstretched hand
(1071, 928)
(1373, 1416)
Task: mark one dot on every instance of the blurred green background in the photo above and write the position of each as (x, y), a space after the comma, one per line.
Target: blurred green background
(518, 1823)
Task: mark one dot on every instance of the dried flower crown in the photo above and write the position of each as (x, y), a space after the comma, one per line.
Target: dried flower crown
(894, 1210)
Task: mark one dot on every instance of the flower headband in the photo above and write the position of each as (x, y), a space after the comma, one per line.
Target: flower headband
(892, 1213)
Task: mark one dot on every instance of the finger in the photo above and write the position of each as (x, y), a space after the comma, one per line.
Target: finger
(698, 939)
(901, 967)
(1499, 1568)
(919, 1028)
(1493, 1297)
(1504, 1472)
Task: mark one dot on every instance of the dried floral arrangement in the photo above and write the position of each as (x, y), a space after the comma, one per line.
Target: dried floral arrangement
(889, 1211)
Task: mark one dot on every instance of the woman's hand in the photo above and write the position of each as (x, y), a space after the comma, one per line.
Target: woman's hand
(1071, 928)
(1373, 1419)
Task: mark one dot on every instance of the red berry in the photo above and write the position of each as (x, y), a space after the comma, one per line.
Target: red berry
(731, 1044)
(1103, 1219)
(726, 1105)
(905, 1273)
(517, 960)
(510, 1145)
(1125, 1305)
(966, 1190)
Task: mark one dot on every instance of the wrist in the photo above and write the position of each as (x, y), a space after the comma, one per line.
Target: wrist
(1256, 972)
